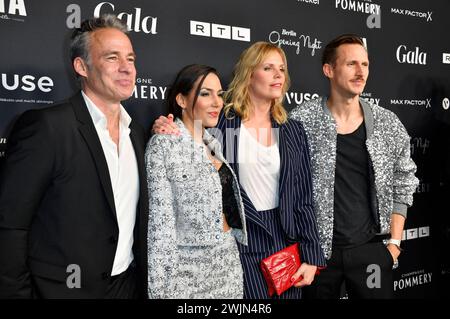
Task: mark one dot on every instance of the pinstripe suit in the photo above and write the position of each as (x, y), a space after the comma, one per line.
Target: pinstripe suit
(293, 221)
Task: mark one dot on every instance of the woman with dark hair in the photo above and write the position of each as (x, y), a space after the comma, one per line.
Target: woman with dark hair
(195, 207)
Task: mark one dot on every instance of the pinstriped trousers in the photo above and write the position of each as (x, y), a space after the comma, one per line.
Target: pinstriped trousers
(260, 246)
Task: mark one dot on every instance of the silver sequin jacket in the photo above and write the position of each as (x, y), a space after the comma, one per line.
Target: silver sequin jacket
(388, 146)
(185, 203)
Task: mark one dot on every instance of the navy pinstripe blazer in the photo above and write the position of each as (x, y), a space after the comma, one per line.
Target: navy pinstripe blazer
(295, 189)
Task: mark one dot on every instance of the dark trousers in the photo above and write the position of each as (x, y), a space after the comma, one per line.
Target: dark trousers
(124, 285)
(366, 271)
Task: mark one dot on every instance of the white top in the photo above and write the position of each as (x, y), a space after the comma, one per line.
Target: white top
(123, 171)
(259, 169)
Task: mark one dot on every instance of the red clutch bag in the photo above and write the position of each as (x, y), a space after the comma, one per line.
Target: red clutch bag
(279, 268)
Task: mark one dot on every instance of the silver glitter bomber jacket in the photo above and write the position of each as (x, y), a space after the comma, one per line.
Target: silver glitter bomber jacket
(388, 146)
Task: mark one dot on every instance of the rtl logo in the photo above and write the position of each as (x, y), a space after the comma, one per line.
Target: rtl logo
(220, 31)
(446, 58)
(412, 57)
(14, 7)
(414, 233)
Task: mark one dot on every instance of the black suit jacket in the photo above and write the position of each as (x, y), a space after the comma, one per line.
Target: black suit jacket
(57, 206)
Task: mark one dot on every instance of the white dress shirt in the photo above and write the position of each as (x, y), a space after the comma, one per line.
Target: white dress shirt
(123, 171)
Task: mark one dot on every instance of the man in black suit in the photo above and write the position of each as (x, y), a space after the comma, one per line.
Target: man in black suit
(73, 188)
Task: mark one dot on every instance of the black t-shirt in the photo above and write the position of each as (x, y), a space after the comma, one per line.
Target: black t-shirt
(353, 220)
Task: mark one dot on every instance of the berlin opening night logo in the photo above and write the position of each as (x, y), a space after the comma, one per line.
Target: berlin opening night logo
(300, 42)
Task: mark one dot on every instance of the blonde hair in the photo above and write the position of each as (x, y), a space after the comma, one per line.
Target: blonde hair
(237, 96)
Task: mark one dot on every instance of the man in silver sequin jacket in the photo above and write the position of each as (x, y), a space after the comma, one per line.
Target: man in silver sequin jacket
(353, 142)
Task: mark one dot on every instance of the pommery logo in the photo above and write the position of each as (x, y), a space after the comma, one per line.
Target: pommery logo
(366, 6)
(13, 10)
(290, 38)
(358, 6)
(148, 90)
(413, 279)
(369, 97)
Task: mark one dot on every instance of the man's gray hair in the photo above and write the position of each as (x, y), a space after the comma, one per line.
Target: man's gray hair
(79, 41)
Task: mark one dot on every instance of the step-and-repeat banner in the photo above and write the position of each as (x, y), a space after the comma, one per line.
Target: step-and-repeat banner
(409, 51)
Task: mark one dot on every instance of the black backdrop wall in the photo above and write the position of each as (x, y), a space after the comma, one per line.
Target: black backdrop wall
(410, 62)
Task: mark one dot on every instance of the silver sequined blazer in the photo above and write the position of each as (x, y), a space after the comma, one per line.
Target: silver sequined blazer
(388, 146)
(185, 193)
